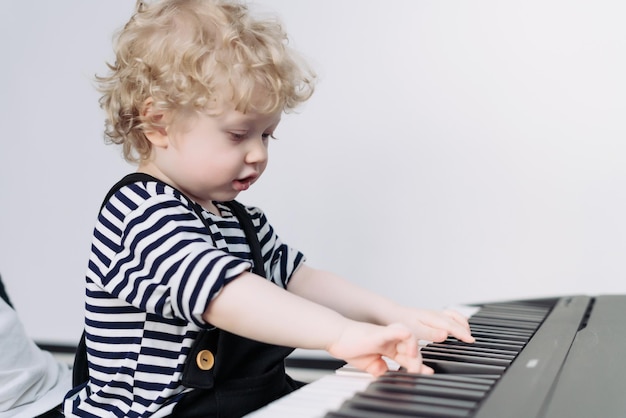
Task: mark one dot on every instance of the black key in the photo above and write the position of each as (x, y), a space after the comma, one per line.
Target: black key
(463, 358)
(518, 316)
(347, 411)
(477, 333)
(383, 393)
(391, 383)
(507, 341)
(484, 344)
(421, 388)
(403, 409)
(472, 348)
(439, 379)
(505, 323)
(520, 333)
(454, 367)
(461, 350)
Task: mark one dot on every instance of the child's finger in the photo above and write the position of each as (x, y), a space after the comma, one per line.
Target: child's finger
(456, 316)
(413, 364)
(426, 370)
(408, 347)
(449, 322)
(378, 367)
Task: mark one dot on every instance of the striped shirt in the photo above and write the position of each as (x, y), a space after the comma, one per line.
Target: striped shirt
(154, 268)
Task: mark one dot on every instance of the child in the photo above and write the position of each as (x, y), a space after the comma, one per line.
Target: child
(195, 94)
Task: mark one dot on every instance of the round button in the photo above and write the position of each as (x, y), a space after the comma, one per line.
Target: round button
(205, 360)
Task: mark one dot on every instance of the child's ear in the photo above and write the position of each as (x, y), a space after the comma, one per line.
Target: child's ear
(157, 136)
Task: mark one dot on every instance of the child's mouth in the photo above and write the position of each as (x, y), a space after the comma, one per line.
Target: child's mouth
(243, 184)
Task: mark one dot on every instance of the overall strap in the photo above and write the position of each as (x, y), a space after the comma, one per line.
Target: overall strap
(248, 228)
(128, 179)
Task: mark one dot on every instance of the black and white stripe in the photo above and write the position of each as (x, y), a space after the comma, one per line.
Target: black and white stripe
(154, 267)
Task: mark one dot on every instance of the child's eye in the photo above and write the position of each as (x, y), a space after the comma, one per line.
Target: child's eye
(237, 136)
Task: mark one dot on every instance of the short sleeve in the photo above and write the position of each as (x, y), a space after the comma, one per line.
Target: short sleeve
(281, 260)
(165, 262)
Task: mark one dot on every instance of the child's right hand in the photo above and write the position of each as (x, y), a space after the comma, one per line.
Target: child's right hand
(363, 345)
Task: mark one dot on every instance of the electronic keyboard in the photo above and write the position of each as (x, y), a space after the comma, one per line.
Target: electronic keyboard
(545, 358)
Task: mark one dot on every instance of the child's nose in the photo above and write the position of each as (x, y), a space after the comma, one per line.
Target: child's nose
(257, 152)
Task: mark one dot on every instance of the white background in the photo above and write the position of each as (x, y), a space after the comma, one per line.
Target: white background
(454, 151)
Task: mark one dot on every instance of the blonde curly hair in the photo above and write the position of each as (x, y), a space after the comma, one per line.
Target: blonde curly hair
(189, 56)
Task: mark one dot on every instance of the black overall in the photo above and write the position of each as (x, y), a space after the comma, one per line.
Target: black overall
(245, 374)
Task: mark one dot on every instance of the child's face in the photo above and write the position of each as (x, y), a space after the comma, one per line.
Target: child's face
(216, 157)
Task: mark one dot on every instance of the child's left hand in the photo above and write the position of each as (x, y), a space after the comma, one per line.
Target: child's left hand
(363, 346)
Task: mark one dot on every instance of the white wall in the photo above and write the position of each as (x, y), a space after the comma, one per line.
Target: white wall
(454, 151)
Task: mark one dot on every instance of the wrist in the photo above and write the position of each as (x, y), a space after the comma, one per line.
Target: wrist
(390, 312)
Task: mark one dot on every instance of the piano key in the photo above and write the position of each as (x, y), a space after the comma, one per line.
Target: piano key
(499, 340)
(478, 333)
(525, 317)
(518, 333)
(441, 379)
(447, 366)
(471, 348)
(484, 344)
(515, 307)
(393, 408)
(407, 385)
(316, 398)
(383, 393)
(347, 412)
(453, 350)
(505, 323)
(533, 316)
(429, 356)
(430, 390)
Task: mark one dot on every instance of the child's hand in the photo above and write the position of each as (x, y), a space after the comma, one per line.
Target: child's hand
(363, 345)
(437, 325)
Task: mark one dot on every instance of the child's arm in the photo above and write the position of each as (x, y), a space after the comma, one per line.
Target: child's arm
(255, 308)
(360, 304)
